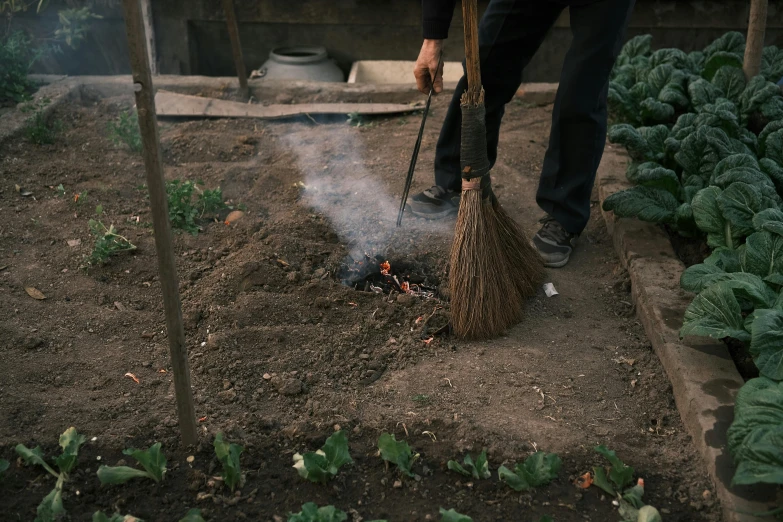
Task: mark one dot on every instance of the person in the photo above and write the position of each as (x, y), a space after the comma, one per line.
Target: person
(510, 32)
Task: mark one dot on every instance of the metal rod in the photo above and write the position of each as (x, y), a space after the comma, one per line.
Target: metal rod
(148, 126)
(409, 178)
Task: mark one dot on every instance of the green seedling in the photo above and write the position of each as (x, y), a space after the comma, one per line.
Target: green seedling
(107, 242)
(618, 477)
(546, 518)
(312, 513)
(38, 128)
(397, 452)
(4, 465)
(633, 509)
(51, 507)
(326, 462)
(228, 455)
(60, 191)
(453, 516)
(421, 399)
(184, 213)
(539, 469)
(477, 470)
(194, 515)
(152, 460)
(125, 129)
(100, 516)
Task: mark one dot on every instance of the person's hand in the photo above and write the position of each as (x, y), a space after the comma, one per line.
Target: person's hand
(427, 71)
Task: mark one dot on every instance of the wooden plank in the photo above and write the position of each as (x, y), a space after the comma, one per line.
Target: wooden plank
(172, 105)
(153, 163)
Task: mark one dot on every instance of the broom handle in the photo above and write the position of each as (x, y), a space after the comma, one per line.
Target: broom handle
(472, 66)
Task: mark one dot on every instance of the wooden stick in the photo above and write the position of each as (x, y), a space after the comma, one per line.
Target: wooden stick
(236, 46)
(472, 65)
(757, 25)
(148, 125)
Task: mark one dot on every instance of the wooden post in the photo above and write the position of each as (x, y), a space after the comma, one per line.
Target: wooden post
(148, 125)
(236, 46)
(149, 31)
(757, 25)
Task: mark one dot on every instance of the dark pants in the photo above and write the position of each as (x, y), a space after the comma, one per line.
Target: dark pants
(510, 33)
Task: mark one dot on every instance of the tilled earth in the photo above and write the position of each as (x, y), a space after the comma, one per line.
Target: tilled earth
(281, 353)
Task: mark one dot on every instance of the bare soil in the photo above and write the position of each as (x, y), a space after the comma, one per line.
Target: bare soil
(281, 352)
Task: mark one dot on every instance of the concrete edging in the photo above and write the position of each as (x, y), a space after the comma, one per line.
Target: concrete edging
(703, 376)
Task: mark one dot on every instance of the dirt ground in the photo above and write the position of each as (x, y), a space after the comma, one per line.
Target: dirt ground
(281, 352)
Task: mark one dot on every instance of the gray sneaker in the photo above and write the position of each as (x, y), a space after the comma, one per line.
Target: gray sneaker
(554, 243)
(434, 203)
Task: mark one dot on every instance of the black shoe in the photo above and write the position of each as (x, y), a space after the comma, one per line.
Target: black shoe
(434, 203)
(554, 243)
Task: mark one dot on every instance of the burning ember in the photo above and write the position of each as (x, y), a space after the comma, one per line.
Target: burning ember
(375, 274)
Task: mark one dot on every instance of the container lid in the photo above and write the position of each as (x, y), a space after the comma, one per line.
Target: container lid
(294, 55)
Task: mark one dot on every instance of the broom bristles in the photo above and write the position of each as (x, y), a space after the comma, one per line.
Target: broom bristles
(524, 261)
(485, 299)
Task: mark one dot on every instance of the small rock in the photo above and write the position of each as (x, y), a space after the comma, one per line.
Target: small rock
(227, 395)
(397, 484)
(146, 364)
(707, 494)
(284, 98)
(322, 302)
(267, 376)
(234, 216)
(147, 335)
(318, 274)
(364, 356)
(293, 277)
(289, 386)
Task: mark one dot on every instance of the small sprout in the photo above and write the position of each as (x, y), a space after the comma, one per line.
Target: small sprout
(477, 470)
(194, 515)
(324, 464)
(184, 214)
(397, 452)
(152, 460)
(228, 455)
(125, 129)
(107, 242)
(453, 516)
(539, 469)
(421, 399)
(618, 477)
(312, 513)
(60, 191)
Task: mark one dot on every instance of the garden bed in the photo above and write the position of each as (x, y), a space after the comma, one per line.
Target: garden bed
(281, 351)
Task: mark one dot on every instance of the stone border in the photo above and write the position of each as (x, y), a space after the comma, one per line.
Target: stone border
(703, 376)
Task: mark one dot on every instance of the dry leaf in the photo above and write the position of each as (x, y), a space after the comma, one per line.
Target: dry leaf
(585, 481)
(34, 293)
(74, 242)
(236, 215)
(135, 379)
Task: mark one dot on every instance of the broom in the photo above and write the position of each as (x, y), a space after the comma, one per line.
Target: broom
(494, 268)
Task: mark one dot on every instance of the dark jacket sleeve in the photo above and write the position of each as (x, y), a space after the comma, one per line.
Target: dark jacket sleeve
(436, 18)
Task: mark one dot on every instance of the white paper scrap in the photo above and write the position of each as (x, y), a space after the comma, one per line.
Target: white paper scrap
(549, 290)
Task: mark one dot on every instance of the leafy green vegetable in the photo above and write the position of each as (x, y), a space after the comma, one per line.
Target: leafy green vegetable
(715, 313)
(477, 470)
(539, 469)
(755, 438)
(194, 515)
(152, 460)
(312, 513)
(397, 452)
(184, 213)
(100, 516)
(619, 474)
(646, 203)
(453, 516)
(51, 506)
(326, 462)
(766, 345)
(228, 455)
